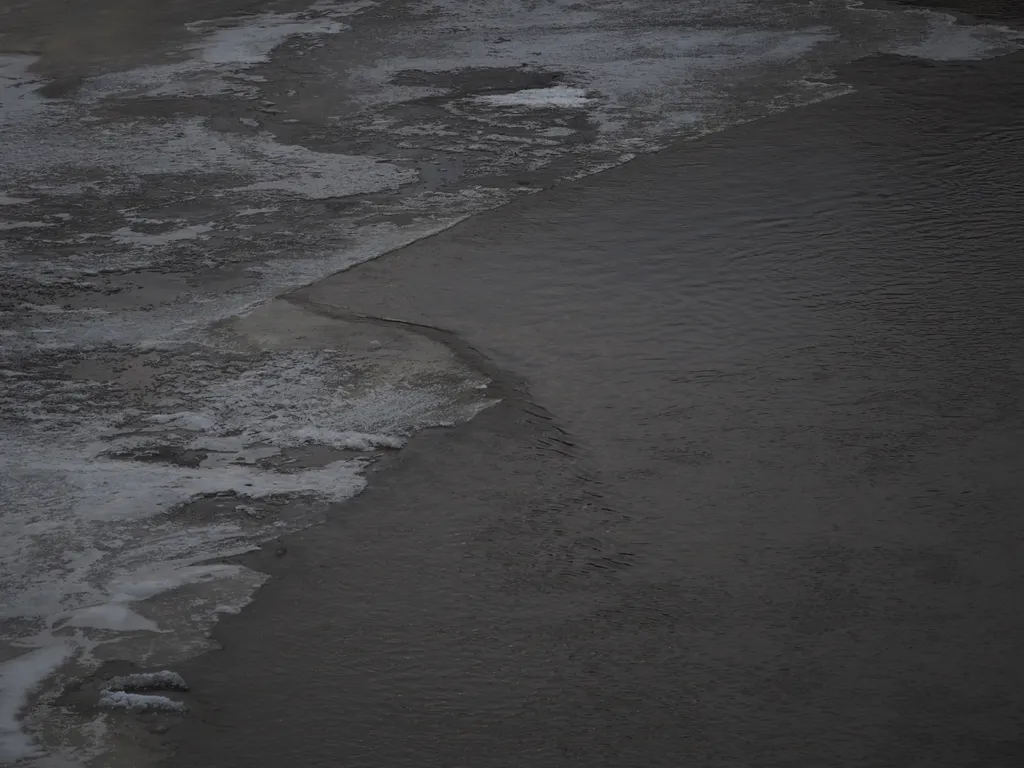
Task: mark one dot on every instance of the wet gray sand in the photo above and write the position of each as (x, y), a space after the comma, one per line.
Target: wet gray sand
(753, 495)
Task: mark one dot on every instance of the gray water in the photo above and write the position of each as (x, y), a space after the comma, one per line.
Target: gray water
(753, 497)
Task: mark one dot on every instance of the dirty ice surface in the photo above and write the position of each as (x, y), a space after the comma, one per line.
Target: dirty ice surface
(159, 412)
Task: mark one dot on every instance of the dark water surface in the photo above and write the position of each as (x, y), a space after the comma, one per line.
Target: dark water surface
(755, 495)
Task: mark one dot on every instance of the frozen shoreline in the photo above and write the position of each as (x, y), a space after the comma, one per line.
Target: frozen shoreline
(755, 499)
(147, 378)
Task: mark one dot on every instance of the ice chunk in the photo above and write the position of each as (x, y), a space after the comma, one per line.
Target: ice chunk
(139, 702)
(148, 681)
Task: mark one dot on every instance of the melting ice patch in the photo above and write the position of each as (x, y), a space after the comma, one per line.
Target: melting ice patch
(44, 139)
(140, 702)
(25, 224)
(654, 71)
(947, 39)
(555, 96)
(189, 147)
(19, 678)
(110, 510)
(250, 40)
(225, 49)
(75, 487)
(148, 681)
(128, 236)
